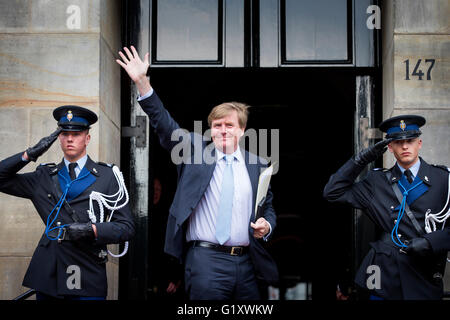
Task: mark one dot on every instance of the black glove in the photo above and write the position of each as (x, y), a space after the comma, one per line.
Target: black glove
(419, 247)
(43, 145)
(80, 231)
(372, 153)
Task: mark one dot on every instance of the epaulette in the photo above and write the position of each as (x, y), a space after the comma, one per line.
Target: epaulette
(380, 169)
(109, 165)
(441, 167)
(48, 164)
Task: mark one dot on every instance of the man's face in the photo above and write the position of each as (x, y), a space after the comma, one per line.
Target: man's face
(74, 143)
(226, 132)
(406, 151)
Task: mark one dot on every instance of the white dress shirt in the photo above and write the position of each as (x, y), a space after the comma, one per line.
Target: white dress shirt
(202, 222)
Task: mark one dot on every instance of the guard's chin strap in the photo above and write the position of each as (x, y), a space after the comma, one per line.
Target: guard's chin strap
(110, 202)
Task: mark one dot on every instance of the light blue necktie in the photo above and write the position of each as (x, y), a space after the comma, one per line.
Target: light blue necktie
(223, 222)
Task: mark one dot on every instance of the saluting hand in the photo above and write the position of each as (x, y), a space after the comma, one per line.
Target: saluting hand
(32, 153)
(261, 228)
(136, 68)
(372, 153)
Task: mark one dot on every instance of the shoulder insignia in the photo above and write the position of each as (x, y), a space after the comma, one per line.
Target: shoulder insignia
(441, 167)
(380, 169)
(48, 164)
(105, 164)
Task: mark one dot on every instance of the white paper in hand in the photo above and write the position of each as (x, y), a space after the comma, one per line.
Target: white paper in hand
(263, 186)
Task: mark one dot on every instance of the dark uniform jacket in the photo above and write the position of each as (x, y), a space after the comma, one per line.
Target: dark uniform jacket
(69, 267)
(402, 276)
(193, 180)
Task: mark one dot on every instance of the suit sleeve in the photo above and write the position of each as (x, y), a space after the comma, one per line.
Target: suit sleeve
(12, 183)
(269, 213)
(121, 227)
(162, 122)
(342, 188)
(439, 240)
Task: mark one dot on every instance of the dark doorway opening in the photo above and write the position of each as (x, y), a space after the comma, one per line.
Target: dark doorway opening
(314, 112)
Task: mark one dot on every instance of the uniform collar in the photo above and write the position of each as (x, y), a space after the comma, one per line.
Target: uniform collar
(81, 162)
(423, 172)
(92, 167)
(414, 169)
(88, 164)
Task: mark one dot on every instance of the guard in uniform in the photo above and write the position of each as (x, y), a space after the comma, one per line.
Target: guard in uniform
(70, 259)
(409, 204)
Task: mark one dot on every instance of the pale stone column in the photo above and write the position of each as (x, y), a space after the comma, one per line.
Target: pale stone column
(413, 30)
(52, 53)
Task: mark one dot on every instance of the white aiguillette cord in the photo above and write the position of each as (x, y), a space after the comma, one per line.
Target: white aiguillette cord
(108, 202)
(439, 217)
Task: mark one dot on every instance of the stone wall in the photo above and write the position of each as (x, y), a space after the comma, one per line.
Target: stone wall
(53, 52)
(413, 30)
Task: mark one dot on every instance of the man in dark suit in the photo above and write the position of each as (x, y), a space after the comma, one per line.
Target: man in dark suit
(70, 259)
(211, 224)
(409, 204)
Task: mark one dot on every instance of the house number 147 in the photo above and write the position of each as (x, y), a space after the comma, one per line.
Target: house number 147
(417, 71)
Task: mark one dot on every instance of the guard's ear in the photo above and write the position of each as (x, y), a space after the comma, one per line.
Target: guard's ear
(390, 147)
(88, 138)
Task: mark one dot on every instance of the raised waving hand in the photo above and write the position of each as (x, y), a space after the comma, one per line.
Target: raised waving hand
(136, 68)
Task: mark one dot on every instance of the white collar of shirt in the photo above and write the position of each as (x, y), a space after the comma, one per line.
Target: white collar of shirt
(237, 154)
(414, 169)
(81, 162)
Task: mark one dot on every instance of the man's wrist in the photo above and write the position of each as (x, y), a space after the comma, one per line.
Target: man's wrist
(143, 85)
(266, 236)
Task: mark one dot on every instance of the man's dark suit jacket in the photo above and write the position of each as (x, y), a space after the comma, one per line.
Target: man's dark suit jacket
(193, 180)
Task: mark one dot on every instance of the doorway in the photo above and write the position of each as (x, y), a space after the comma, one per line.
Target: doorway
(313, 109)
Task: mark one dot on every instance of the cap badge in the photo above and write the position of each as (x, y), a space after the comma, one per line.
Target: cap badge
(402, 125)
(69, 115)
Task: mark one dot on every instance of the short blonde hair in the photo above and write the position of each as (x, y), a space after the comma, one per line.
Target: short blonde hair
(224, 109)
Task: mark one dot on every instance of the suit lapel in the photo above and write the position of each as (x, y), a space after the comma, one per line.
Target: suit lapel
(204, 173)
(208, 169)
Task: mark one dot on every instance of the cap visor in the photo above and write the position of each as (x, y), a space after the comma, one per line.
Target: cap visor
(403, 135)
